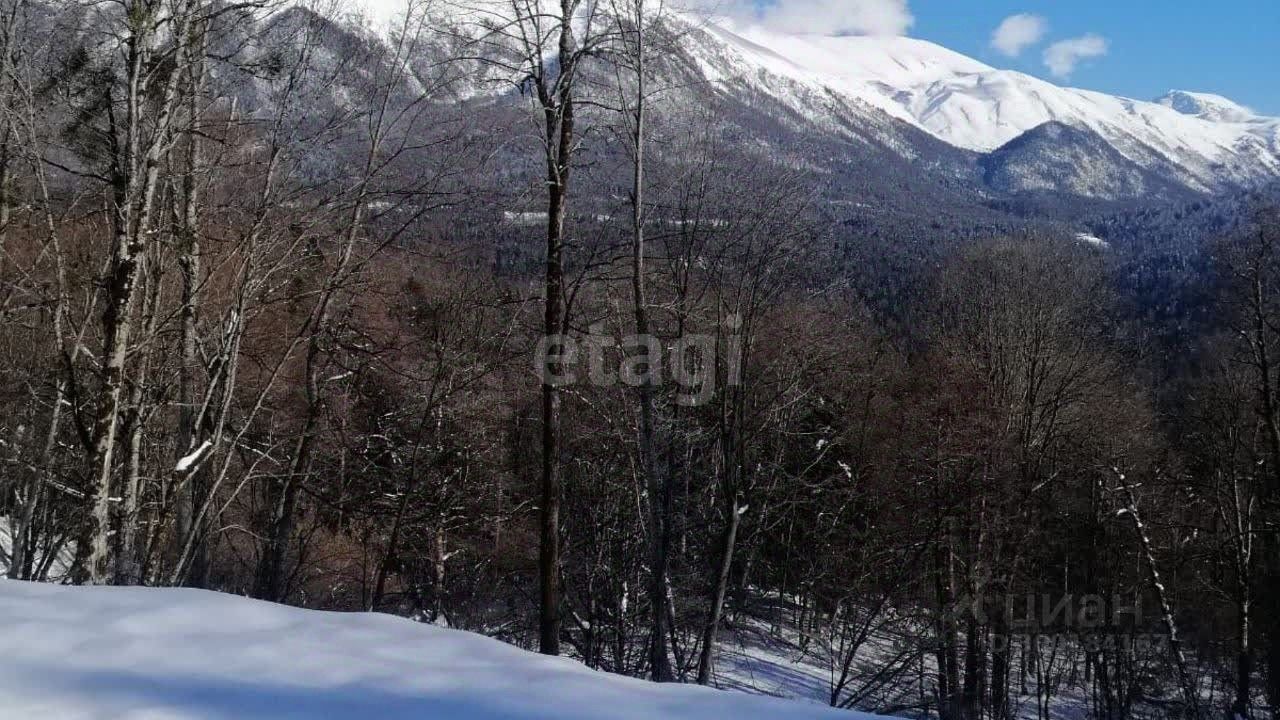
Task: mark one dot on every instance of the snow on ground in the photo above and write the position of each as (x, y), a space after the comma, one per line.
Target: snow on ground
(768, 656)
(51, 567)
(761, 652)
(76, 653)
(1094, 240)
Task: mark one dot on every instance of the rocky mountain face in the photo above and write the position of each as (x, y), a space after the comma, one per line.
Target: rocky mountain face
(1205, 106)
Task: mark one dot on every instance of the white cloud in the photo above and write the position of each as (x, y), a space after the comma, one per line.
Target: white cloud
(837, 17)
(1063, 56)
(1019, 32)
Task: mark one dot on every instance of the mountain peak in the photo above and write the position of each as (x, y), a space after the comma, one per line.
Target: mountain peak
(1059, 157)
(1206, 106)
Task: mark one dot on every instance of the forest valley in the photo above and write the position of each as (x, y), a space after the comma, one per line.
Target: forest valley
(286, 308)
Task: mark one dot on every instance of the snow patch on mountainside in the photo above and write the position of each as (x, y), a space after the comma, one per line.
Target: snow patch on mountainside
(88, 653)
(1207, 106)
(794, 61)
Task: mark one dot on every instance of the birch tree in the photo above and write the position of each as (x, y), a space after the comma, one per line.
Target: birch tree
(151, 34)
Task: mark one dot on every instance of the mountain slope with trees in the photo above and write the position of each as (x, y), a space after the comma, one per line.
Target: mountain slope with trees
(546, 321)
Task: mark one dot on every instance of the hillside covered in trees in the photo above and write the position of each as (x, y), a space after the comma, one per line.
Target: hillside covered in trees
(506, 319)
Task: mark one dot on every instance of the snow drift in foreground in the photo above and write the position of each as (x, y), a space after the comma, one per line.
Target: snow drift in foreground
(73, 652)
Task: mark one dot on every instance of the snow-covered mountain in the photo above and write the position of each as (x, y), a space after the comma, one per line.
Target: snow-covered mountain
(890, 122)
(1204, 142)
(891, 107)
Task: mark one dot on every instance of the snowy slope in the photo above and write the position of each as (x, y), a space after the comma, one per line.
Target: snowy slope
(1208, 140)
(1207, 106)
(132, 653)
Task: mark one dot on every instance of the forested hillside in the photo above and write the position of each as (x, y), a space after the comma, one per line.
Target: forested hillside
(509, 319)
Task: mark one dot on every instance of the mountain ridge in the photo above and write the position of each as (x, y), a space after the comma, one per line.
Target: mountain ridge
(977, 107)
(871, 89)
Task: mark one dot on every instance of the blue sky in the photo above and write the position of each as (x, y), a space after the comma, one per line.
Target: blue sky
(1229, 47)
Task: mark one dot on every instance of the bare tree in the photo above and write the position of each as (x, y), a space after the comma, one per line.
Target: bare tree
(635, 20)
(544, 46)
(144, 134)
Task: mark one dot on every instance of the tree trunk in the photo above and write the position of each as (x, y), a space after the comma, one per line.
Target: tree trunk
(134, 182)
(188, 495)
(1185, 685)
(549, 515)
(1244, 660)
(948, 640)
(128, 562)
(656, 480)
(270, 581)
(721, 588)
(558, 116)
